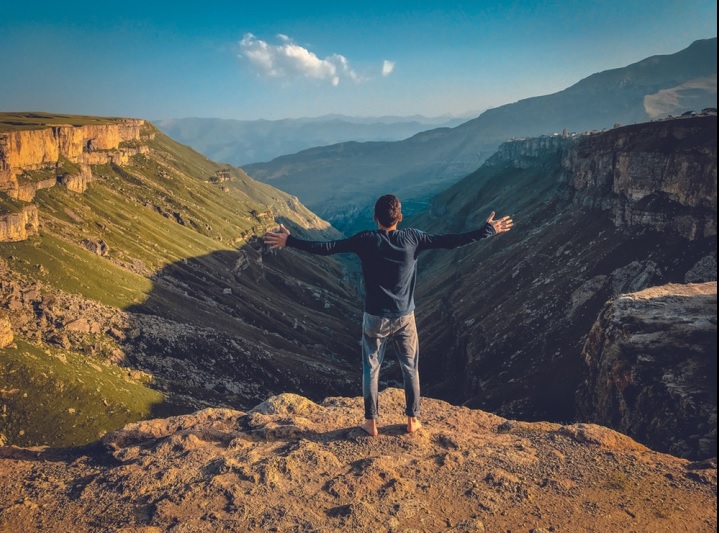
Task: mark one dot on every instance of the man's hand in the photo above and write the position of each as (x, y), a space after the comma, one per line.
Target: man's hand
(277, 239)
(502, 224)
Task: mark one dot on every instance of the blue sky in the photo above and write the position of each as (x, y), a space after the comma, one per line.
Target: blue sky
(250, 60)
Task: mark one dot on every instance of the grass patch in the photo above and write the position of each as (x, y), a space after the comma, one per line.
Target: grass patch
(10, 205)
(35, 176)
(75, 270)
(54, 397)
(65, 166)
(27, 120)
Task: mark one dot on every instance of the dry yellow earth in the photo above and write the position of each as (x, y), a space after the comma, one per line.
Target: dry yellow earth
(293, 465)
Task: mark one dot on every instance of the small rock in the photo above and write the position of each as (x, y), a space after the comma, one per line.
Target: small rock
(6, 333)
(80, 326)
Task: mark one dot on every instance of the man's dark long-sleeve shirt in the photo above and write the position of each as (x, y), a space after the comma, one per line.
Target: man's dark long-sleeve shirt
(389, 262)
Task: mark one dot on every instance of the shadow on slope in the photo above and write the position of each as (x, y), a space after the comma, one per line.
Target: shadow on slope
(232, 327)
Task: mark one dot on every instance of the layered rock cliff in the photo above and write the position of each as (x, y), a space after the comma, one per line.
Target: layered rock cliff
(503, 321)
(652, 368)
(29, 149)
(23, 151)
(660, 175)
(524, 153)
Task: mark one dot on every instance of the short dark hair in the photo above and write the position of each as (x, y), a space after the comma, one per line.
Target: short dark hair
(387, 210)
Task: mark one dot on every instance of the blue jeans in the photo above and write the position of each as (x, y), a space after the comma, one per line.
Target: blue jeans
(402, 331)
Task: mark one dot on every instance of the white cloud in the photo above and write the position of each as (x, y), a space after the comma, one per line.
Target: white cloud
(387, 67)
(289, 60)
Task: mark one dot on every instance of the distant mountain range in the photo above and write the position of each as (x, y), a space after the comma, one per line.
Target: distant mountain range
(241, 142)
(340, 182)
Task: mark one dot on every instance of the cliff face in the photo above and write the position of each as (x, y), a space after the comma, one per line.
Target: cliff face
(524, 153)
(26, 150)
(659, 176)
(651, 368)
(19, 226)
(503, 321)
(36, 148)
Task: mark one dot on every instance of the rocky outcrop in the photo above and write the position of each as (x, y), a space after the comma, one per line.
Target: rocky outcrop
(26, 191)
(6, 333)
(291, 464)
(27, 150)
(523, 153)
(651, 368)
(77, 182)
(19, 226)
(658, 175)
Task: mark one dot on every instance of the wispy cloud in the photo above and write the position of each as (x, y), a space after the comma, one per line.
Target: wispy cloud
(288, 60)
(387, 67)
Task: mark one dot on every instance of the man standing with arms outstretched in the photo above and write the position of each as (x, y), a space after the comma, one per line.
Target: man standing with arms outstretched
(389, 269)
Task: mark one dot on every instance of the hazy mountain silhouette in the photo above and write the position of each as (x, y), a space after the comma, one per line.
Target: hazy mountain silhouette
(241, 142)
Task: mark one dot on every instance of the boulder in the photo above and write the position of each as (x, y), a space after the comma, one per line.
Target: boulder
(651, 369)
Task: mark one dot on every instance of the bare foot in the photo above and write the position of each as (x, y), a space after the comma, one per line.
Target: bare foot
(370, 427)
(413, 424)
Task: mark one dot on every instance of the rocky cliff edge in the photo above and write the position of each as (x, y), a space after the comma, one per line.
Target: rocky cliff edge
(651, 368)
(35, 155)
(292, 465)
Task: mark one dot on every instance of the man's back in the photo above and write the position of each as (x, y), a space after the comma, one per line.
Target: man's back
(389, 262)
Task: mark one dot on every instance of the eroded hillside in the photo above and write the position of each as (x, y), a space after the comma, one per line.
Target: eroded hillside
(138, 285)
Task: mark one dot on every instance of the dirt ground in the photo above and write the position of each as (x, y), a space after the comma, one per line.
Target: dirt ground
(293, 465)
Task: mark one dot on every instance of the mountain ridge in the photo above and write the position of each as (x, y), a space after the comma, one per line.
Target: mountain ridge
(339, 182)
(242, 142)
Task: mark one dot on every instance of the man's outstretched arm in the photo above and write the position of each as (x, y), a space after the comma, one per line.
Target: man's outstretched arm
(454, 240)
(282, 238)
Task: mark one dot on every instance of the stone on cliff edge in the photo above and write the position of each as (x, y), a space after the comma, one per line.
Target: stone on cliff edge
(651, 365)
(19, 226)
(6, 333)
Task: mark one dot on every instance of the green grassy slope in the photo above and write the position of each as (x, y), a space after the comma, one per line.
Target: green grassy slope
(63, 398)
(181, 287)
